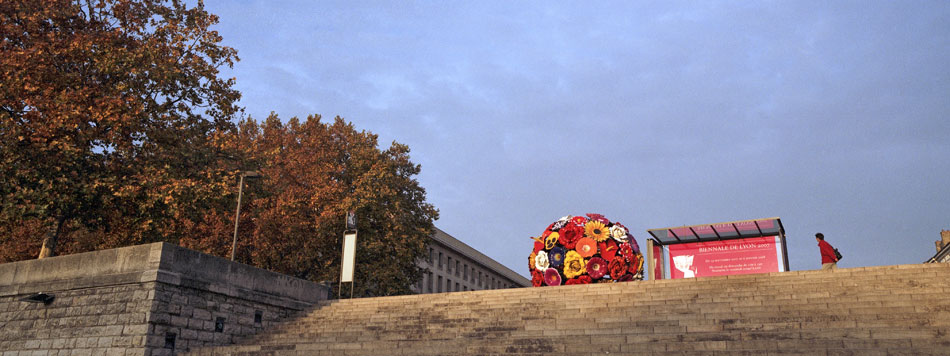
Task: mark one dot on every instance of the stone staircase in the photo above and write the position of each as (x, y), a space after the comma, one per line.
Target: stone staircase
(891, 310)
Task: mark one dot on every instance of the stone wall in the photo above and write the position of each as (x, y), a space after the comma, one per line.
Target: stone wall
(156, 299)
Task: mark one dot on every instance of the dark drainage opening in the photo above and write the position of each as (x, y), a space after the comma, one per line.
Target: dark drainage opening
(219, 324)
(170, 340)
(258, 317)
(44, 298)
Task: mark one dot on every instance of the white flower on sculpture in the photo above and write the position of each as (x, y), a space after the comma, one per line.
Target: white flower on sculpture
(541, 261)
(619, 233)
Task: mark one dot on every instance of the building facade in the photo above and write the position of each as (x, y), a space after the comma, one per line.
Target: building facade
(943, 248)
(453, 266)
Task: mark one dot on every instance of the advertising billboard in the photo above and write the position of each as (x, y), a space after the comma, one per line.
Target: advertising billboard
(725, 257)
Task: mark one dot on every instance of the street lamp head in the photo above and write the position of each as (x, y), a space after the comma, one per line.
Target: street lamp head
(252, 174)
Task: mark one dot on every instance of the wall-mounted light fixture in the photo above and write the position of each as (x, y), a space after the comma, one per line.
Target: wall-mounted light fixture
(219, 324)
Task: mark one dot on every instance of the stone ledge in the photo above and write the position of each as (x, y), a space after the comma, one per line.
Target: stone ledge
(158, 262)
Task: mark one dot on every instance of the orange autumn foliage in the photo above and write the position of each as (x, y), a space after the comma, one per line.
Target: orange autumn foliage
(110, 113)
(116, 130)
(313, 173)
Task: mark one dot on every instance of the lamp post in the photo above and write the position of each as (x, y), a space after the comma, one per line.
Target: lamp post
(237, 214)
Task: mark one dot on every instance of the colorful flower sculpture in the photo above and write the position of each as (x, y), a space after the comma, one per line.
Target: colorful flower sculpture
(583, 250)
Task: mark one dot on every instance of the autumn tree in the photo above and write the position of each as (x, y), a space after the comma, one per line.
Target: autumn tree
(115, 130)
(313, 173)
(111, 115)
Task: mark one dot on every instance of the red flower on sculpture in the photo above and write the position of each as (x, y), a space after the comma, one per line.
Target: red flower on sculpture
(617, 267)
(569, 234)
(579, 221)
(608, 249)
(596, 268)
(537, 278)
(626, 251)
(598, 217)
(552, 277)
(579, 280)
(635, 264)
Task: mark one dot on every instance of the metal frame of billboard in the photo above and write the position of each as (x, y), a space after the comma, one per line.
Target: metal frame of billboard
(718, 235)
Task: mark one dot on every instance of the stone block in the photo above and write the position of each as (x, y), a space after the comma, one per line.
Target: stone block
(179, 321)
(134, 318)
(161, 352)
(112, 330)
(189, 334)
(201, 314)
(205, 336)
(122, 341)
(155, 341)
(104, 342)
(196, 324)
(136, 329)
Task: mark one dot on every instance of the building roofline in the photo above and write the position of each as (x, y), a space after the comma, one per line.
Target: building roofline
(467, 251)
(945, 250)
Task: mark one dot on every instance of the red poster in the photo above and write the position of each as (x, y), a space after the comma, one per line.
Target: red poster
(720, 258)
(657, 263)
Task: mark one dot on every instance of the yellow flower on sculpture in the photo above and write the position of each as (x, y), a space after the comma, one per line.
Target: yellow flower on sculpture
(596, 230)
(551, 241)
(574, 265)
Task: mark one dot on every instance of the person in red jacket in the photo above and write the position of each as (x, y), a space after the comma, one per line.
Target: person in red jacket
(828, 259)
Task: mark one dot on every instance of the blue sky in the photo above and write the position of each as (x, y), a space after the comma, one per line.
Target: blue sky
(832, 116)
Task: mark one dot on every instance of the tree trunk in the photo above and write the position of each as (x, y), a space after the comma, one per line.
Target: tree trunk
(49, 243)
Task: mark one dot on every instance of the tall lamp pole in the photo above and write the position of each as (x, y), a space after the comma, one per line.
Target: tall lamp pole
(237, 214)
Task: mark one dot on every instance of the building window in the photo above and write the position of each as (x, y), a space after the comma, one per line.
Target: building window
(431, 253)
(440, 260)
(457, 272)
(466, 272)
(429, 283)
(456, 286)
(439, 286)
(449, 267)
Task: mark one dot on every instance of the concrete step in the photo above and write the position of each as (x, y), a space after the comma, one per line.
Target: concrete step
(873, 310)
